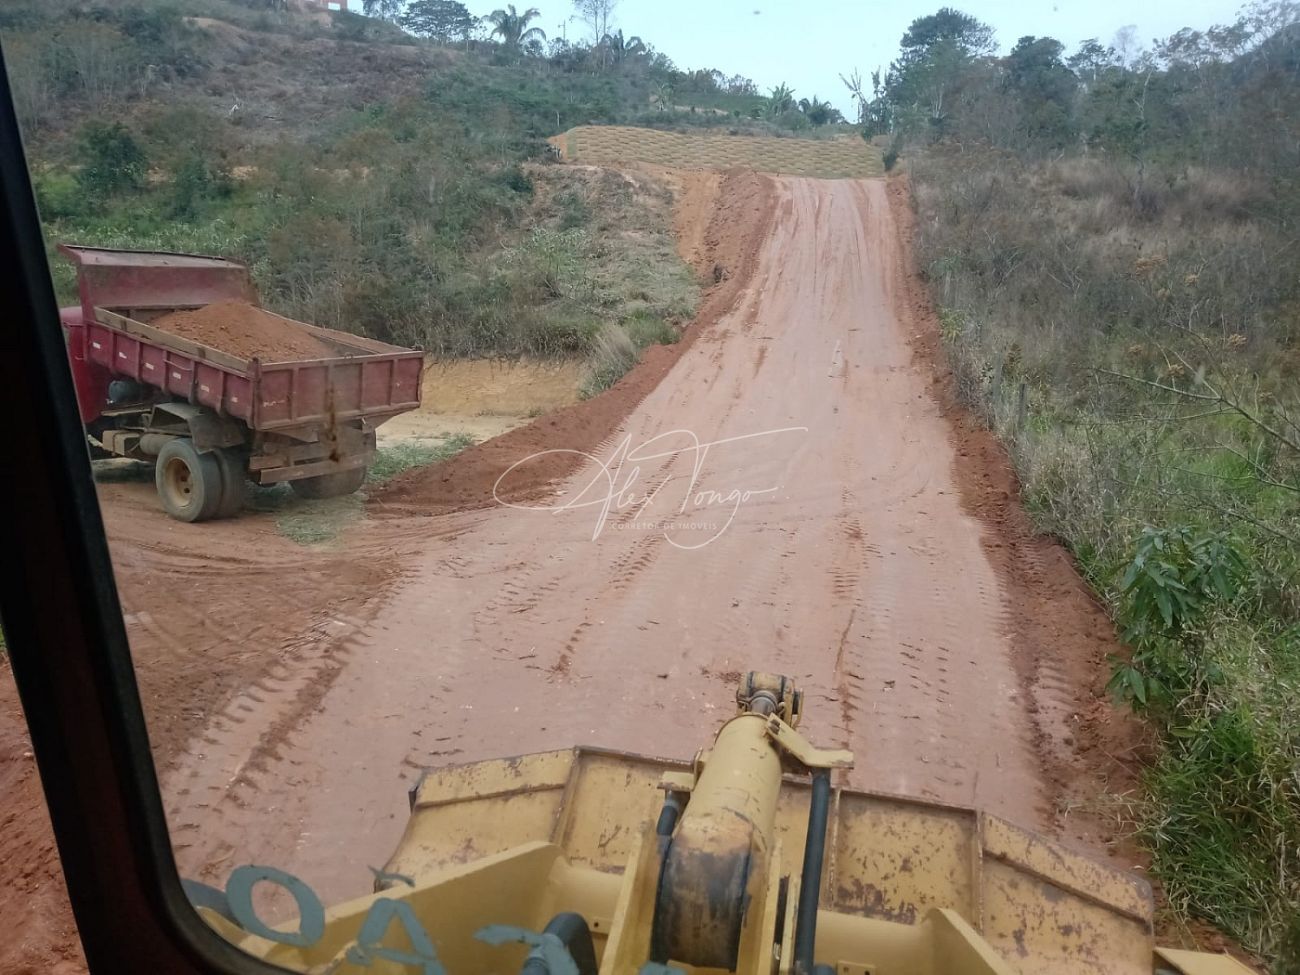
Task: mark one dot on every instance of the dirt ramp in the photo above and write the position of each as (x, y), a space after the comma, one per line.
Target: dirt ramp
(743, 207)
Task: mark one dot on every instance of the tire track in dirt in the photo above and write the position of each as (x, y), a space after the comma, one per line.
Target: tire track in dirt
(1060, 633)
(851, 564)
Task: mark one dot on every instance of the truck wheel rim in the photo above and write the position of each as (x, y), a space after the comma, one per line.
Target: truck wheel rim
(179, 482)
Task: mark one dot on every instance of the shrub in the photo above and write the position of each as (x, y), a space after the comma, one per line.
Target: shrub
(58, 195)
(111, 160)
(890, 157)
(196, 182)
(1173, 577)
(645, 328)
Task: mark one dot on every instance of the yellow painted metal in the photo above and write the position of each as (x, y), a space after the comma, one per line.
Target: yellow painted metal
(1040, 906)
(799, 748)
(742, 775)
(1200, 963)
(629, 941)
(714, 876)
(908, 887)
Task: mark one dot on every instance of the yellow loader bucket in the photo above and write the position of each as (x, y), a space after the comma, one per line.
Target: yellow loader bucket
(594, 862)
(1041, 907)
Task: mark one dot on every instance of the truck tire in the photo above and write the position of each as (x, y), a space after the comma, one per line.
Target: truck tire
(329, 485)
(188, 482)
(234, 483)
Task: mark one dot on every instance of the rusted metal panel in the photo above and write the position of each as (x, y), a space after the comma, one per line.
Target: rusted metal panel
(1046, 905)
(1038, 926)
(1072, 871)
(147, 280)
(118, 322)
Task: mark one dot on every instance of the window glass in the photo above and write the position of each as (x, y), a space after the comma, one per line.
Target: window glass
(475, 397)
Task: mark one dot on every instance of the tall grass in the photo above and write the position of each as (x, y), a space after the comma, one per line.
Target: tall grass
(1089, 313)
(617, 347)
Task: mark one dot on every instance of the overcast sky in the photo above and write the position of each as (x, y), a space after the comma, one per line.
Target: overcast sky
(807, 44)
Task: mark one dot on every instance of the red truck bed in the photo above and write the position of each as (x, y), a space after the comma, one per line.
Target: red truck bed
(121, 291)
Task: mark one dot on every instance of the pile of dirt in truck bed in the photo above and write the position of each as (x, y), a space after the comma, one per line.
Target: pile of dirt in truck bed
(246, 331)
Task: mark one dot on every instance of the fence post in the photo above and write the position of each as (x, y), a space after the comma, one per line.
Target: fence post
(995, 387)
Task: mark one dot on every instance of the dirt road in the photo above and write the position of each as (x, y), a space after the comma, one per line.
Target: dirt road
(790, 487)
(786, 498)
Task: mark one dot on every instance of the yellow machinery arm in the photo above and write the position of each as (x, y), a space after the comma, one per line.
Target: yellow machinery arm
(589, 862)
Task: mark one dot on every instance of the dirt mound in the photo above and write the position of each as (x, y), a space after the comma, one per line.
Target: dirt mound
(735, 235)
(823, 158)
(247, 332)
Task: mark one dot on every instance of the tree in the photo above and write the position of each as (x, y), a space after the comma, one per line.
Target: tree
(446, 21)
(947, 27)
(383, 9)
(1091, 60)
(597, 15)
(1125, 45)
(512, 27)
(819, 112)
(937, 56)
(1044, 87)
(621, 48)
(111, 160)
(875, 113)
(738, 84)
(197, 180)
(781, 100)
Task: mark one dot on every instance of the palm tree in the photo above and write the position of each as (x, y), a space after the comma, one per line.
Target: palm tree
(513, 26)
(621, 48)
(819, 112)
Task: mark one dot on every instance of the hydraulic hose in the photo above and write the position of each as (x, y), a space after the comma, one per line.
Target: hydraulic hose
(814, 851)
(574, 934)
(668, 815)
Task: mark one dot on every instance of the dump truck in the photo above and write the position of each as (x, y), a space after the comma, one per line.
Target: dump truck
(249, 396)
(748, 859)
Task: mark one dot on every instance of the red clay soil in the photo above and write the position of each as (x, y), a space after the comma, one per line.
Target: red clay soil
(731, 244)
(247, 332)
(202, 628)
(37, 933)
